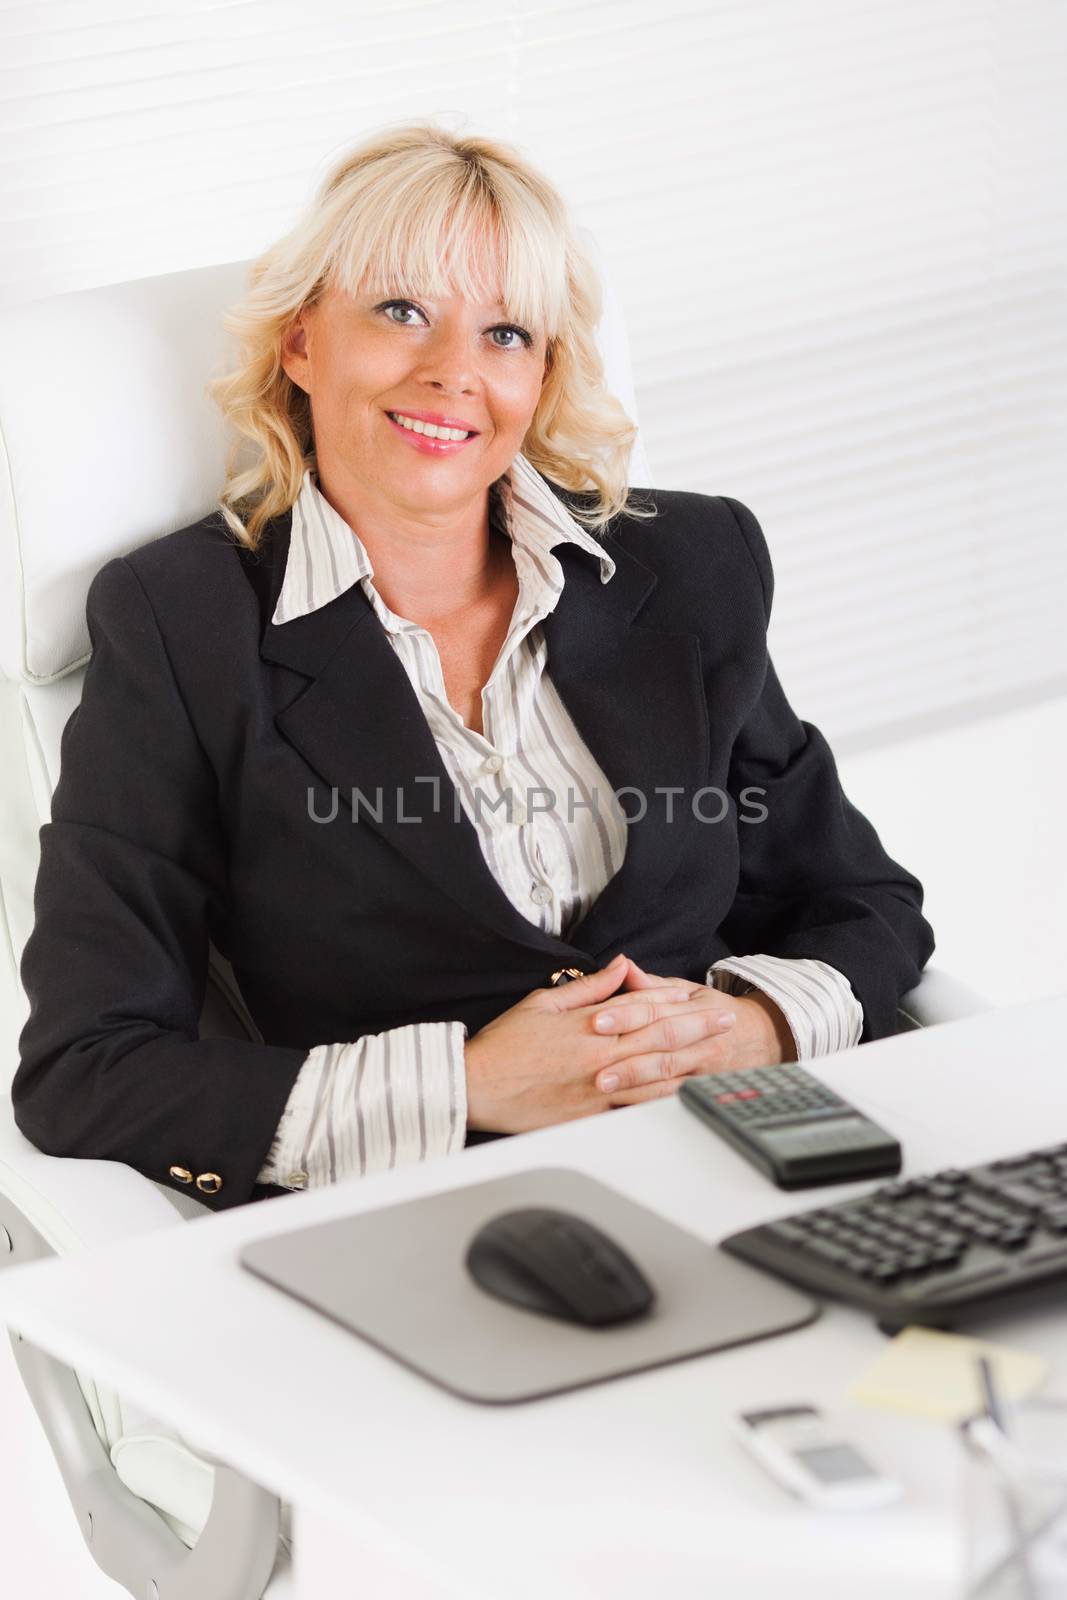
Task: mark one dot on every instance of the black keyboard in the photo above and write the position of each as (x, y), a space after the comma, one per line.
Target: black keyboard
(931, 1250)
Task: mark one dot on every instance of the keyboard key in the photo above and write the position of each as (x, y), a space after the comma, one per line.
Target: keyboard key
(894, 1191)
(830, 1250)
(944, 1257)
(791, 1233)
(1024, 1194)
(888, 1271)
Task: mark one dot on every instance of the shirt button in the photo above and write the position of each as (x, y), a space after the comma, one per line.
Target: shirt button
(492, 763)
(518, 815)
(296, 1180)
(541, 894)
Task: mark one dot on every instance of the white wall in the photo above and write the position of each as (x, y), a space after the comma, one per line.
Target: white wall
(976, 812)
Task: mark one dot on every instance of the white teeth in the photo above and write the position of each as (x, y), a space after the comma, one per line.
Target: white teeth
(430, 429)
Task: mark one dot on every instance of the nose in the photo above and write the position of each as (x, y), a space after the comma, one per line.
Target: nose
(449, 365)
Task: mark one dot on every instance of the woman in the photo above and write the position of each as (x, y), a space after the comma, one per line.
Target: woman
(430, 718)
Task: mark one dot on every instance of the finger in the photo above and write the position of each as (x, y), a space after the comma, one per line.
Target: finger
(684, 1043)
(664, 1086)
(590, 988)
(624, 1012)
(648, 1091)
(637, 978)
(651, 977)
(639, 982)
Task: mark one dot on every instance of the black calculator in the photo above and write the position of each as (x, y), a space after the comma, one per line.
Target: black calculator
(791, 1126)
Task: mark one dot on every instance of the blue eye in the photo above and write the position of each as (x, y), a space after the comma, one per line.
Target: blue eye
(525, 340)
(408, 305)
(511, 327)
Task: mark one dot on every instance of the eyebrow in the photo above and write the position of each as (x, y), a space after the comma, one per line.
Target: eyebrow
(495, 305)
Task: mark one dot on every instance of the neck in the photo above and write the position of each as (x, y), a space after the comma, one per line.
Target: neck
(427, 566)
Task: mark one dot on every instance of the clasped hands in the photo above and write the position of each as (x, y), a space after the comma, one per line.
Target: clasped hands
(615, 1037)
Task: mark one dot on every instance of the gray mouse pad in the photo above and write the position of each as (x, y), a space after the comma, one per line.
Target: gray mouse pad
(397, 1277)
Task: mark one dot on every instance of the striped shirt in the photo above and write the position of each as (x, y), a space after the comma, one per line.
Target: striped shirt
(361, 1106)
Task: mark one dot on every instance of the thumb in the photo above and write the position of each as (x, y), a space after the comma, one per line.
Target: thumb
(590, 987)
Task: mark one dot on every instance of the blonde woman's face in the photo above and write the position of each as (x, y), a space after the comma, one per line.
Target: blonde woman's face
(367, 360)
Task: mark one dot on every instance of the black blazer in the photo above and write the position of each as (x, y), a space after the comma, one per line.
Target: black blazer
(207, 739)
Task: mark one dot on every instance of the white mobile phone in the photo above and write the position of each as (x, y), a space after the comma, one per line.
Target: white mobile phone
(813, 1460)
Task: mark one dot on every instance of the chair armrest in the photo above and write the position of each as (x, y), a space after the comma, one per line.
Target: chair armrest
(939, 997)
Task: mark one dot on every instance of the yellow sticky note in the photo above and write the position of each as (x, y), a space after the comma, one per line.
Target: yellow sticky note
(931, 1374)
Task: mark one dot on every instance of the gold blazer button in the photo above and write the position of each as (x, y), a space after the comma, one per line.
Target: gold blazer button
(182, 1174)
(208, 1182)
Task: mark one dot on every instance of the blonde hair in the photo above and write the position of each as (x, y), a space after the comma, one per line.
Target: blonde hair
(419, 211)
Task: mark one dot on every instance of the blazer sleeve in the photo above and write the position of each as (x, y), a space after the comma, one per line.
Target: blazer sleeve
(814, 880)
(132, 880)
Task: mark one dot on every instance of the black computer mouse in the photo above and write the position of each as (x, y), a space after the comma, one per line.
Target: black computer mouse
(559, 1264)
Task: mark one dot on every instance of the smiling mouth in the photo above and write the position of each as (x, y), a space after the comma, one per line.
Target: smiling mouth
(431, 430)
(439, 442)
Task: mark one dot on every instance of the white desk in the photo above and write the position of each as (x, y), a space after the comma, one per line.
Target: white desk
(626, 1490)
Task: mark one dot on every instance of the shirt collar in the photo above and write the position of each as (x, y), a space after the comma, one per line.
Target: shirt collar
(326, 556)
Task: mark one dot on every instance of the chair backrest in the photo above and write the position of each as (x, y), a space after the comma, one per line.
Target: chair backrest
(109, 439)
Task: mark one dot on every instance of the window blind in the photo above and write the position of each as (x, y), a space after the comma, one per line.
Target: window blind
(838, 229)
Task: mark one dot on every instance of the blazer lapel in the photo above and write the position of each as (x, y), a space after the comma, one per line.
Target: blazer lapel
(635, 696)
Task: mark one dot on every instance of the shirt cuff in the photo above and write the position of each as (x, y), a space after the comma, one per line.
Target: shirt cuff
(382, 1101)
(816, 1000)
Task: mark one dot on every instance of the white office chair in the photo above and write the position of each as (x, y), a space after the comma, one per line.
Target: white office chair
(109, 440)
